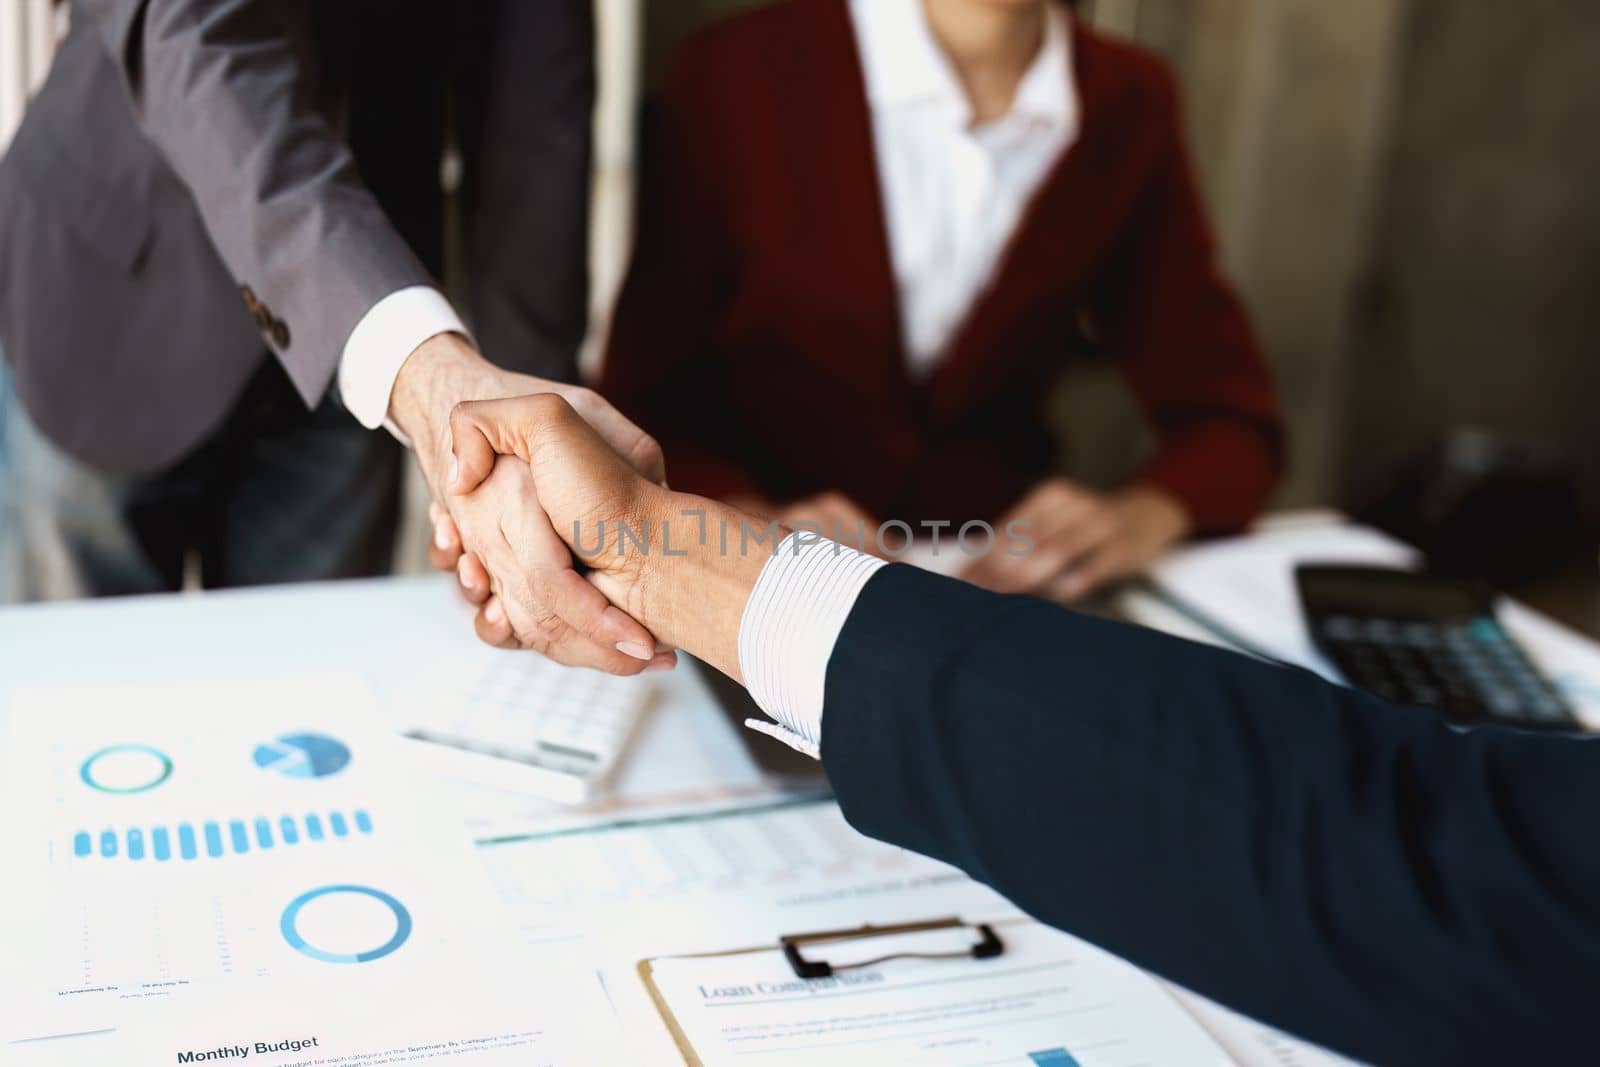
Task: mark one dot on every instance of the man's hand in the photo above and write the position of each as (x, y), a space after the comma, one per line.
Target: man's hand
(445, 370)
(553, 602)
(1082, 539)
(532, 470)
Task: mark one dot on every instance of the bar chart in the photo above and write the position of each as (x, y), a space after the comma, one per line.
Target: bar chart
(216, 838)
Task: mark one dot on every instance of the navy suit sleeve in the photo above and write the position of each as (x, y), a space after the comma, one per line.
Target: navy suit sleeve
(1354, 872)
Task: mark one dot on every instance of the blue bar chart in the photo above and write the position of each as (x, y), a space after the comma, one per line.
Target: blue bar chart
(216, 838)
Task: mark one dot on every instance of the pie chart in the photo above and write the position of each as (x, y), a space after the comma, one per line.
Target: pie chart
(302, 756)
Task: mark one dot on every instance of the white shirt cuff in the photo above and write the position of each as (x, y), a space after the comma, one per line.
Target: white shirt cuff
(383, 339)
(790, 625)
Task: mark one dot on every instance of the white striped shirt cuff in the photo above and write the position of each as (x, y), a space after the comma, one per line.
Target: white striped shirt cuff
(790, 625)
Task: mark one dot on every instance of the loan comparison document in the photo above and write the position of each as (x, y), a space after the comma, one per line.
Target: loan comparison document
(1050, 1000)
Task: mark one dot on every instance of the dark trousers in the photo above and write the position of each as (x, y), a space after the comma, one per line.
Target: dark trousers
(275, 494)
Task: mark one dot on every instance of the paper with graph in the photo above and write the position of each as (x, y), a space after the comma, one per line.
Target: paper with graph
(165, 842)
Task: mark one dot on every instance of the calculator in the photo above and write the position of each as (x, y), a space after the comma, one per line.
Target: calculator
(1424, 639)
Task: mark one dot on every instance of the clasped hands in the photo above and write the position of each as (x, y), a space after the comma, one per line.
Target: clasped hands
(541, 470)
(532, 483)
(570, 460)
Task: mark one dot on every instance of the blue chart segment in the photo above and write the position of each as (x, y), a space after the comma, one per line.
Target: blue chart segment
(1053, 1057)
(302, 756)
(345, 895)
(218, 838)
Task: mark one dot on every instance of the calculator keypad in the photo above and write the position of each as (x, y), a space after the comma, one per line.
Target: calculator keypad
(1468, 669)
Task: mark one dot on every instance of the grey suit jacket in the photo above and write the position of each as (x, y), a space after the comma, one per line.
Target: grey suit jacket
(198, 179)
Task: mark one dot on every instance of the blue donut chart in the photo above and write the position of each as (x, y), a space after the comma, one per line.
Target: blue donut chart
(291, 933)
(86, 771)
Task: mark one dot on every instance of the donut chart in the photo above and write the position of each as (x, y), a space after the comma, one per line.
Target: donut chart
(126, 769)
(346, 896)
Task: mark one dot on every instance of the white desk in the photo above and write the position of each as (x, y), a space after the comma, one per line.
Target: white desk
(377, 628)
(386, 630)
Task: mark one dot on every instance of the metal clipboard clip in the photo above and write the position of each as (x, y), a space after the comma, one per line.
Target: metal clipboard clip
(987, 946)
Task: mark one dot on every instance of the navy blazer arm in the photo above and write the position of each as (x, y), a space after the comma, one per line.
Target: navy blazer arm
(1352, 871)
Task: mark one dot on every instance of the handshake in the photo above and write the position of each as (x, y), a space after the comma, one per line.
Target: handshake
(525, 486)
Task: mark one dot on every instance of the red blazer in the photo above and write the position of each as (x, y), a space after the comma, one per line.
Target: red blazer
(758, 332)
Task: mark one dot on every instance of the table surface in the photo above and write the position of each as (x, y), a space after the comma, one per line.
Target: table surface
(386, 630)
(382, 629)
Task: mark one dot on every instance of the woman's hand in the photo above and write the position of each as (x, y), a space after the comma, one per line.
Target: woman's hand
(521, 571)
(1082, 539)
(446, 551)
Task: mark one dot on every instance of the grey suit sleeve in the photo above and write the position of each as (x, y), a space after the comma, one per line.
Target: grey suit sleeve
(219, 89)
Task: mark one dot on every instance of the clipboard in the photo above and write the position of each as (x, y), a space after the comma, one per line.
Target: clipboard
(793, 946)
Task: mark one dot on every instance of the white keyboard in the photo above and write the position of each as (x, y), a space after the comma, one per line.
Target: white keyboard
(519, 721)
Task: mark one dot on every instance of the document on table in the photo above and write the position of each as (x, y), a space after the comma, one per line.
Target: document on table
(169, 841)
(1048, 999)
(663, 884)
(368, 1022)
(1254, 1044)
(682, 885)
